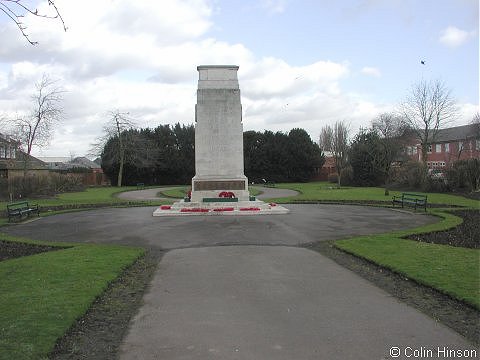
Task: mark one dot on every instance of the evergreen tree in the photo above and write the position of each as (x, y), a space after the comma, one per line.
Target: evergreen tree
(367, 159)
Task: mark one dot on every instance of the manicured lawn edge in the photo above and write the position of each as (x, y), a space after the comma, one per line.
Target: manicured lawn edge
(178, 192)
(323, 192)
(44, 294)
(451, 270)
(91, 198)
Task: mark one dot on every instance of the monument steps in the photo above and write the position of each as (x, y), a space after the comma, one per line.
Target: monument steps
(257, 207)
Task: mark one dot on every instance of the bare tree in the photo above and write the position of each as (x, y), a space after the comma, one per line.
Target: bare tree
(117, 127)
(428, 107)
(36, 128)
(335, 140)
(326, 138)
(391, 130)
(17, 9)
(476, 122)
(389, 125)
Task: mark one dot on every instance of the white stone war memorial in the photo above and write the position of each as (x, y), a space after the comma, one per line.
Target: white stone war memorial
(219, 186)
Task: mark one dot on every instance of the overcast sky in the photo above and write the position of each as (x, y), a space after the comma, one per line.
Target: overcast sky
(303, 63)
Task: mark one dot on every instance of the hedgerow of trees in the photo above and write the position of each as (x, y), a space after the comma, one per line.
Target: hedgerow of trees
(280, 157)
(166, 155)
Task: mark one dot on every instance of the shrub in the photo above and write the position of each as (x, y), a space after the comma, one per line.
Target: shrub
(346, 178)
(409, 175)
(35, 186)
(464, 174)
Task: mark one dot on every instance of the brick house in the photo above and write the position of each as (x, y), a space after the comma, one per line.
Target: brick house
(449, 145)
(13, 160)
(322, 174)
(92, 176)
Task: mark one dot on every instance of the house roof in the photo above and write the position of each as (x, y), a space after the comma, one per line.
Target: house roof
(65, 163)
(18, 163)
(54, 159)
(458, 133)
(84, 162)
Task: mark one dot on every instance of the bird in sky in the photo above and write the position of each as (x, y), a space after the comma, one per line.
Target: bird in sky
(422, 62)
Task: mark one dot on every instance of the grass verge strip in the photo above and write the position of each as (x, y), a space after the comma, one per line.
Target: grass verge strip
(105, 196)
(451, 270)
(323, 191)
(44, 294)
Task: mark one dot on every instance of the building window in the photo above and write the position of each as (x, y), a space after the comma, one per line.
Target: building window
(438, 148)
(429, 149)
(447, 147)
(3, 153)
(477, 146)
(460, 145)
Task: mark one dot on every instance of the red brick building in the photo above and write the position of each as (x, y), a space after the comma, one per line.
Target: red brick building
(321, 174)
(449, 145)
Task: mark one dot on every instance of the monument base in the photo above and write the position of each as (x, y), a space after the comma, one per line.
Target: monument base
(256, 207)
(206, 188)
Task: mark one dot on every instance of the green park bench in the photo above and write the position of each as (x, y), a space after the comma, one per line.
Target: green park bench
(270, 184)
(19, 209)
(409, 199)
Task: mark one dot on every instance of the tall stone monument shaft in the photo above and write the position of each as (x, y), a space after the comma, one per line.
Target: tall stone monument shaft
(218, 134)
(219, 186)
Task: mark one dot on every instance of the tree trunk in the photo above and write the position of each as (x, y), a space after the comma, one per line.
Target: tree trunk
(122, 152)
(120, 172)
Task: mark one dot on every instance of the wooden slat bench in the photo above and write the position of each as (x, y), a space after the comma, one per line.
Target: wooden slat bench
(270, 184)
(19, 209)
(409, 199)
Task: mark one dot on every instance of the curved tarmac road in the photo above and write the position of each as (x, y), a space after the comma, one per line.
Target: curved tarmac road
(255, 301)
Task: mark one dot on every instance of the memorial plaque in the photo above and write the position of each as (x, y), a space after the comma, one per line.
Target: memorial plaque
(219, 185)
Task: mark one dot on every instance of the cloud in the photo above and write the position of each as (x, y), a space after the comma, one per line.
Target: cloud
(141, 58)
(274, 6)
(454, 37)
(371, 71)
(270, 77)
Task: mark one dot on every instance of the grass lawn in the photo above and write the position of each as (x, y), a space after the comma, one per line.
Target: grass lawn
(178, 192)
(324, 191)
(91, 196)
(451, 270)
(42, 295)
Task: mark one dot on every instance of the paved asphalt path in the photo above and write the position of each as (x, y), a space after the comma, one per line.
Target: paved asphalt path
(137, 226)
(253, 301)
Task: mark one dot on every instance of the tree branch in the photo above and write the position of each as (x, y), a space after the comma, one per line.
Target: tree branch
(15, 10)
